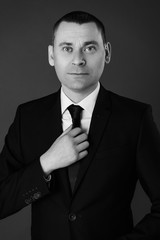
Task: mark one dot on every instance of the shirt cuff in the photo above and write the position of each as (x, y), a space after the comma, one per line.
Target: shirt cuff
(48, 178)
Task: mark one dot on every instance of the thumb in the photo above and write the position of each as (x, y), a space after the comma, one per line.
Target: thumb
(67, 130)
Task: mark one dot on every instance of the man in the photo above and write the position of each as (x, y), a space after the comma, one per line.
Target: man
(78, 165)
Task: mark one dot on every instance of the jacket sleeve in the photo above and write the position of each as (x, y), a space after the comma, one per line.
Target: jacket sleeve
(148, 170)
(20, 183)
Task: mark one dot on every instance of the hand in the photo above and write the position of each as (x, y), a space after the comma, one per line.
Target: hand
(68, 148)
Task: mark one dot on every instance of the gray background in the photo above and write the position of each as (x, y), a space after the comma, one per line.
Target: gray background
(25, 32)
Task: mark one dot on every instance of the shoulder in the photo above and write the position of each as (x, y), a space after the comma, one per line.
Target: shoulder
(124, 106)
(42, 104)
(125, 102)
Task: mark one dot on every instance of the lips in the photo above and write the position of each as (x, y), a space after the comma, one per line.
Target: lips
(78, 73)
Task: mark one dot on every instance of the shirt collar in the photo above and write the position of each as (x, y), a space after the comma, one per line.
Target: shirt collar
(87, 103)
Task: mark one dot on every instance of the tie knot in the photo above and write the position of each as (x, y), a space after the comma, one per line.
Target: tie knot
(75, 112)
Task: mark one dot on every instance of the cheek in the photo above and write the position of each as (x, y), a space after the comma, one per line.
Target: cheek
(60, 66)
(97, 65)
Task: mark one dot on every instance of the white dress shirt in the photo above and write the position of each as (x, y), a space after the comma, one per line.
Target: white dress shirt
(87, 104)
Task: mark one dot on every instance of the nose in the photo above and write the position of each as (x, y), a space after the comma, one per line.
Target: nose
(78, 60)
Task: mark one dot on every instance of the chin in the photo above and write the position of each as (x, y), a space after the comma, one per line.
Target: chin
(82, 88)
(77, 85)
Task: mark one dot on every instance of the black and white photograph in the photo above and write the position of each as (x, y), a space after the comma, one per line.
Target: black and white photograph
(79, 120)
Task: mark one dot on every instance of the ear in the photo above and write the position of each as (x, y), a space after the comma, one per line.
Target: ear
(50, 55)
(107, 47)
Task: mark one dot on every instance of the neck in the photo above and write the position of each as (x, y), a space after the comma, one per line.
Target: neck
(77, 96)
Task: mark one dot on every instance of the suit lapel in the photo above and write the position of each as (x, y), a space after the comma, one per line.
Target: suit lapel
(99, 121)
(62, 174)
(52, 120)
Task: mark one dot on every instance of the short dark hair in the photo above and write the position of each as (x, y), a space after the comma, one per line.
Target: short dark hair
(80, 18)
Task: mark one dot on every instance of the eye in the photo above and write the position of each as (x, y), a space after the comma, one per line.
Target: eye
(90, 49)
(67, 49)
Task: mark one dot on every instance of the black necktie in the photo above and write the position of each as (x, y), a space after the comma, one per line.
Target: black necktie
(75, 112)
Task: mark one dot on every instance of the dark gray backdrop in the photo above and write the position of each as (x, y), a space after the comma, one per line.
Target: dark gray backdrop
(25, 32)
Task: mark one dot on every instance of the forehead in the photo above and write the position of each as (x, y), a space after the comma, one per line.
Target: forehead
(71, 32)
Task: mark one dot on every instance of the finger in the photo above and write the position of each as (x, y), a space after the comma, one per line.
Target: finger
(67, 130)
(75, 131)
(82, 146)
(82, 154)
(80, 138)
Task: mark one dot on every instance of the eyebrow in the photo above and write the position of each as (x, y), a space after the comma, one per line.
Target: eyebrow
(65, 43)
(84, 44)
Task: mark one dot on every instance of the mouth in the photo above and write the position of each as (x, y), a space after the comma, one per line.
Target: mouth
(78, 74)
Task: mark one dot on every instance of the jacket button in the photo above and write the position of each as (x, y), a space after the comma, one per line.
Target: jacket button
(72, 217)
(28, 201)
(37, 195)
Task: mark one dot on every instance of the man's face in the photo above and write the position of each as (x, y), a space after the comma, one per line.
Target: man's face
(78, 56)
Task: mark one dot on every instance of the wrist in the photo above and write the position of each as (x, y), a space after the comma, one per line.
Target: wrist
(44, 164)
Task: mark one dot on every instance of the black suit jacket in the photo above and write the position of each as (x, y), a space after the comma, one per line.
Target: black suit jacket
(124, 147)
